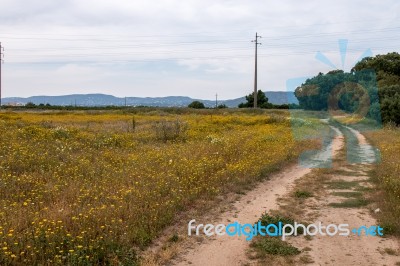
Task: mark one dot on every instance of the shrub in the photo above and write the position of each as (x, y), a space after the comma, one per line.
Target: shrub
(170, 130)
(196, 105)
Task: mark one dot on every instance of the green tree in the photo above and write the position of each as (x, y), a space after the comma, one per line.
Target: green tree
(30, 105)
(262, 101)
(384, 64)
(196, 105)
(390, 103)
(352, 92)
(387, 69)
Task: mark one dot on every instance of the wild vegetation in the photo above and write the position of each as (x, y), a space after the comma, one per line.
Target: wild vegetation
(386, 176)
(91, 187)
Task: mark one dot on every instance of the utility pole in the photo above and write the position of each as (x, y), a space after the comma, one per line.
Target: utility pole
(255, 70)
(216, 100)
(125, 101)
(1, 62)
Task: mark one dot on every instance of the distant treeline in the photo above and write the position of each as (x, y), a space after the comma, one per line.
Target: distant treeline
(47, 106)
(371, 89)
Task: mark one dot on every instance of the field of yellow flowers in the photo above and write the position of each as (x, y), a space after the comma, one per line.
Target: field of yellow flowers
(387, 177)
(88, 187)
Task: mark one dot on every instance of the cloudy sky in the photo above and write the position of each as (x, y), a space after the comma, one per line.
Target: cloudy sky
(194, 48)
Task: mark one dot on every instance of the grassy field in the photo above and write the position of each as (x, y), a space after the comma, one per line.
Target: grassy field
(90, 187)
(387, 177)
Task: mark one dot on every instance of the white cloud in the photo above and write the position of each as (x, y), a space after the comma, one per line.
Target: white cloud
(172, 47)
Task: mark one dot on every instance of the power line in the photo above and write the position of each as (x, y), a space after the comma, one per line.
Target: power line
(187, 54)
(181, 54)
(166, 49)
(255, 69)
(218, 37)
(90, 60)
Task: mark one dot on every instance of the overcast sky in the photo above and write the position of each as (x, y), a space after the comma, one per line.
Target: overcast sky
(189, 48)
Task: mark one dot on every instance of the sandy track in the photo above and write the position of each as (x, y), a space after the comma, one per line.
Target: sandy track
(353, 249)
(225, 250)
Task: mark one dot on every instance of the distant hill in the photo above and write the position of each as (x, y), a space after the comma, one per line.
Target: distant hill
(275, 97)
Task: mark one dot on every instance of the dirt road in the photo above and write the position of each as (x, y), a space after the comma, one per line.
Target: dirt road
(323, 250)
(343, 204)
(225, 250)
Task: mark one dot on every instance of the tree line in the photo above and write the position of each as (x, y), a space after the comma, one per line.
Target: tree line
(371, 88)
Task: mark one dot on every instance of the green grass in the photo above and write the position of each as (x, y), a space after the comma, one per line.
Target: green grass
(350, 203)
(364, 189)
(347, 173)
(348, 194)
(303, 194)
(274, 246)
(267, 219)
(342, 184)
